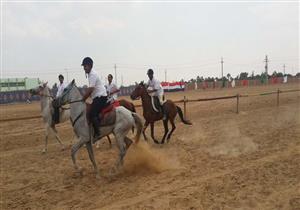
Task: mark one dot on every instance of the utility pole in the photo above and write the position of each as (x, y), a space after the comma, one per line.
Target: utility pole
(266, 65)
(165, 75)
(121, 80)
(116, 81)
(222, 62)
(266, 69)
(283, 69)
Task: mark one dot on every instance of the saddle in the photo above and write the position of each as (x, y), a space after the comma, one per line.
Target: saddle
(107, 115)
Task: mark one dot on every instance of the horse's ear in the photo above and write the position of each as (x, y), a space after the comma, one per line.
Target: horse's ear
(45, 84)
(73, 82)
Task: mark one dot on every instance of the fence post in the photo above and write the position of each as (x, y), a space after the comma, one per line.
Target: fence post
(278, 91)
(237, 103)
(184, 106)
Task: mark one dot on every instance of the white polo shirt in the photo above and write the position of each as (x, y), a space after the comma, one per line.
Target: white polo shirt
(94, 81)
(111, 88)
(155, 84)
(60, 89)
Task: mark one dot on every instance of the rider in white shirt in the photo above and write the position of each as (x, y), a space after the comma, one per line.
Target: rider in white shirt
(155, 88)
(97, 92)
(112, 89)
(60, 88)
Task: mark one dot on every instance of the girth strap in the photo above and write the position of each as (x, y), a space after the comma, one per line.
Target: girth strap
(77, 118)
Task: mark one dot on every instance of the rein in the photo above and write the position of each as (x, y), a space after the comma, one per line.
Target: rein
(80, 100)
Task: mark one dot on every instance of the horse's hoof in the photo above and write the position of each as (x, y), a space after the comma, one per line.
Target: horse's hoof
(63, 148)
(44, 151)
(156, 142)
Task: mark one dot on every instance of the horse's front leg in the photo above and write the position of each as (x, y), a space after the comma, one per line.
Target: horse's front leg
(58, 138)
(46, 139)
(89, 148)
(144, 129)
(152, 133)
(74, 150)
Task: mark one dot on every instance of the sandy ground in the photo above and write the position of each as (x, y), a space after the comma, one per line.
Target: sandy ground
(225, 160)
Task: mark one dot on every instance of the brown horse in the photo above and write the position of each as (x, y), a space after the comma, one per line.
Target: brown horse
(127, 104)
(151, 116)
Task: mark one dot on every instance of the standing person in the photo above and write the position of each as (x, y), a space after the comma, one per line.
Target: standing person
(155, 87)
(112, 89)
(60, 88)
(97, 92)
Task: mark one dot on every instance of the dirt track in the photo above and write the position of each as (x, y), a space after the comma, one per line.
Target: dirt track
(224, 161)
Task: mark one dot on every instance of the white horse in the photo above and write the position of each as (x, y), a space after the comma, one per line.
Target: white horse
(123, 123)
(47, 111)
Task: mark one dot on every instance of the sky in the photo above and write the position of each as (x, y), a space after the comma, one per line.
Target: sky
(183, 39)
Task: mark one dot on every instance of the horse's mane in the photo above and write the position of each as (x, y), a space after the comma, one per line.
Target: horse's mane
(142, 83)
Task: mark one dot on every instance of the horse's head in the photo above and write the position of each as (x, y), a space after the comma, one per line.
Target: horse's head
(40, 90)
(139, 91)
(65, 98)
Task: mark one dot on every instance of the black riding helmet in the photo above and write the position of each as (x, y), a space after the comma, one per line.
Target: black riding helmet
(60, 76)
(87, 61)
(150, 71)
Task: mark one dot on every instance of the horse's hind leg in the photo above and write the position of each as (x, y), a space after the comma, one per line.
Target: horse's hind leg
(128, 142)
(89, 148)
(108, 138)
(58, 138)
(144, 129)
(120, 138)
(173, 128)
(166, 130)
(109, 141)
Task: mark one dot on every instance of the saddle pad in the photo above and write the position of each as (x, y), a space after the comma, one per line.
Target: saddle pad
(109, 118)
(110, 107)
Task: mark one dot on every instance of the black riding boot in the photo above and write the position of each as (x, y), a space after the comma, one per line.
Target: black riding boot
(96, 124)
(55, 116)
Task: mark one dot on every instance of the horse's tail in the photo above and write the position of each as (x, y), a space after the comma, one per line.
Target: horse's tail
(134, 111)
(139, 126)
(187, 122)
